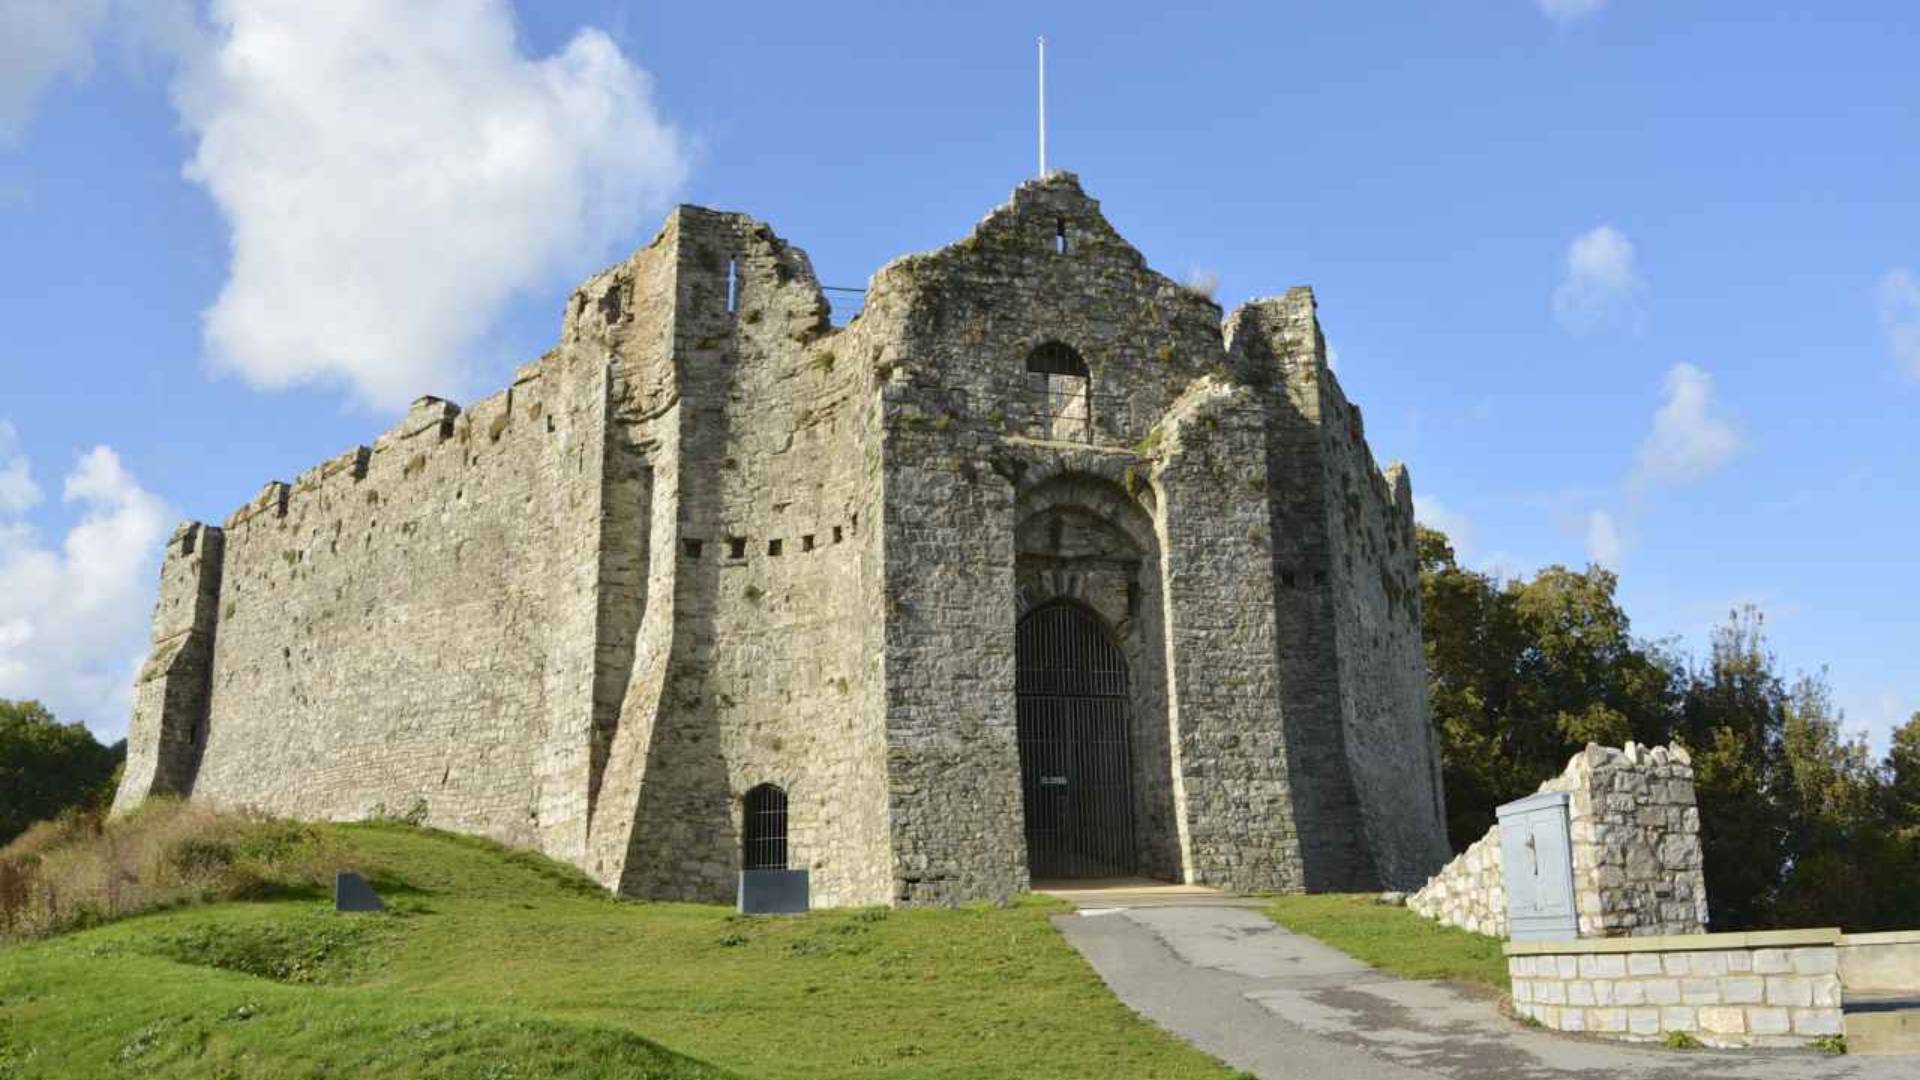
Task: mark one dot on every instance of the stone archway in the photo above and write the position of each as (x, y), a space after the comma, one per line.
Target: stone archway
(1087, 568)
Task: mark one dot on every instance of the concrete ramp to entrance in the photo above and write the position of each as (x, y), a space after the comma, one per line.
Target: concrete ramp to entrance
(1115, 893)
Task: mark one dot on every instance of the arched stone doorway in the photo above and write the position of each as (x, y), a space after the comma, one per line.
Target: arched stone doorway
(1076, 764)
(1087, 573)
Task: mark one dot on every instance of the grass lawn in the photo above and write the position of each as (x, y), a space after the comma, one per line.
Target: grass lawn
(1394, 939)
(501, 965)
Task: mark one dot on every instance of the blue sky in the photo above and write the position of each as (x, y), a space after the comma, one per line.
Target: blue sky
(1622, 281)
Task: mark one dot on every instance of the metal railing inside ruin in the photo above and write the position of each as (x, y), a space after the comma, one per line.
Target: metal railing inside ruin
(1064, 408)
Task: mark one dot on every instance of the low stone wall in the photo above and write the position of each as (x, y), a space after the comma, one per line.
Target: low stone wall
(1470, 892)
(1887, 963)
(1769, 988)
(1634, 833)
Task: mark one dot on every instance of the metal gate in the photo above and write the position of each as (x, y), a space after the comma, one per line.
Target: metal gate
(1076, 769)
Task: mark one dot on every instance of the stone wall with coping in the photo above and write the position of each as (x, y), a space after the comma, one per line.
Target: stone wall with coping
(1770, 988)
(1634, 829)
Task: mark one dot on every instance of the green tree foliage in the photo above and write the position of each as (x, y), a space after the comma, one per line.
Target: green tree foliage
(47, 767)
(1524, 673)
(1799, 824)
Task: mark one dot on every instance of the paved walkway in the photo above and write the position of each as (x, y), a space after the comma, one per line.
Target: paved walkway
(1285, 1006)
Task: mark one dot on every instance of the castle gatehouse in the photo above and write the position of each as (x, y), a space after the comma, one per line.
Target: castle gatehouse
(1040, 567)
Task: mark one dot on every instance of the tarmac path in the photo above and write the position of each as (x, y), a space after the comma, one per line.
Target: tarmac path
(1283, 1006)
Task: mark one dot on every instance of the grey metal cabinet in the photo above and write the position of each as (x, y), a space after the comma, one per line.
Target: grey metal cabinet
(1536, 859)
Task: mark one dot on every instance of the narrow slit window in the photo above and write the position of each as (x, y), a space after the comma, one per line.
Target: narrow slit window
(1060, 236)
(773, 548)
(837, 536)
(806, 542)
(736, 548)
(733, 285)
(764, 841)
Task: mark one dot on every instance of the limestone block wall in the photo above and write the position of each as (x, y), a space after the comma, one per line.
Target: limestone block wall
(1347, 589)
(411, 625)
(1634, 829)
(1471, 893)
(765, 671)
(1233, 751)
(1772, 988)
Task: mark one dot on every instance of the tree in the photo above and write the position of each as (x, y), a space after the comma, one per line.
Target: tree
(1800, 827)
(1903, 774)
(1524, 673)
(47, 767)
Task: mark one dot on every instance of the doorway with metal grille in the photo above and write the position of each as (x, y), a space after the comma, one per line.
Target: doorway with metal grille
(1076, 765)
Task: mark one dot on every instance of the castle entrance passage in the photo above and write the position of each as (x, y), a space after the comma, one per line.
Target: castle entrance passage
(1076, 768)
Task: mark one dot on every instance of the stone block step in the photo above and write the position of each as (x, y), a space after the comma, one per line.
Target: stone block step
(1882, 1023)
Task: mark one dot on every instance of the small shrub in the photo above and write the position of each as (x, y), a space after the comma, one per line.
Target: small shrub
(1680, 1040)
(201, 856)
(1831, 1044)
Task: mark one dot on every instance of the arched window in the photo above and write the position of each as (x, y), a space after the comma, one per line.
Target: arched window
(765, 832)
(1059, 387)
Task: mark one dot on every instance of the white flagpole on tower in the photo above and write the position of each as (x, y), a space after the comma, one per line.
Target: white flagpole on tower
(1043, 108)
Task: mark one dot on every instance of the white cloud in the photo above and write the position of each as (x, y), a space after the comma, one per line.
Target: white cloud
(393, 172)
(1899, 296)
(74, 619)
(18, 492)
(1435, 514)
(1601, 282)
(1604, 543)
(1691, 435)
(1566, 11)
(42, 41)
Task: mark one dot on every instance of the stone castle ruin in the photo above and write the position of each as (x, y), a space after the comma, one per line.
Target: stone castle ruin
(1037, 568)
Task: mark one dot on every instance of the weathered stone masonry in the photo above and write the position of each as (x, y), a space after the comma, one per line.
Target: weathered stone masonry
(1634, 837)
(711, 541)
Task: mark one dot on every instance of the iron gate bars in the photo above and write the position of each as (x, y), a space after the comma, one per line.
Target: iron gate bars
(1076, 766)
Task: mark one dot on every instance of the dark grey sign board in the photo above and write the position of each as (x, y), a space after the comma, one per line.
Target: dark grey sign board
(773, 892)
(352, 893)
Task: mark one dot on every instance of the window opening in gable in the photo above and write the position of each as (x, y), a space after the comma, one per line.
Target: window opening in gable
(1059, 394)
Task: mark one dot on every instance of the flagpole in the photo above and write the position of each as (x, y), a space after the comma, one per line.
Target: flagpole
(1043, 108)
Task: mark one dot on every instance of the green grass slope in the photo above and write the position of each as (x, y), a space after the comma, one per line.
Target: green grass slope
(500, 964)
(1395, 940)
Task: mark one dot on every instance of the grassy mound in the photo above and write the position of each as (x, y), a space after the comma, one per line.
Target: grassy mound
(1394, 939)
(82, 870)
(496, 963)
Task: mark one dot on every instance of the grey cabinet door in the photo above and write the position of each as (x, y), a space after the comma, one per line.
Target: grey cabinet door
(1537, 862)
